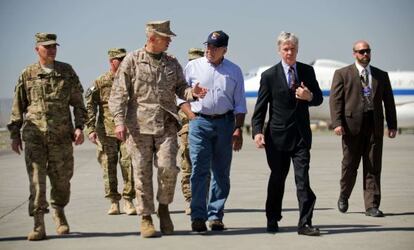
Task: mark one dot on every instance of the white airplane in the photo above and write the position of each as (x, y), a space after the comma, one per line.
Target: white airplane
(402, 83)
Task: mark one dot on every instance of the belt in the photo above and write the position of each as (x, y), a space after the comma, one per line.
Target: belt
(214, 117)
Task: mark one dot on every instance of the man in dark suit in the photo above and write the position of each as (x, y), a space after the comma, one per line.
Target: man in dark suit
(356, 98)
(289, 88)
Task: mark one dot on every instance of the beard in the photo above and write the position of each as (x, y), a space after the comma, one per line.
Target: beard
(364, 60)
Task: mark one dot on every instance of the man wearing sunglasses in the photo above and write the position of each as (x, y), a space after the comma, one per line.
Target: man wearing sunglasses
(357, 94)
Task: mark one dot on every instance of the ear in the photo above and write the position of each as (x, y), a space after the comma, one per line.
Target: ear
(225, 51)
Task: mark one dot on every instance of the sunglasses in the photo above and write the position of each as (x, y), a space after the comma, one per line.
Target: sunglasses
(363, 51)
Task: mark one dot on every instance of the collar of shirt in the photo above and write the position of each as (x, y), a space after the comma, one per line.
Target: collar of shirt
(360, 68)
(367, 68)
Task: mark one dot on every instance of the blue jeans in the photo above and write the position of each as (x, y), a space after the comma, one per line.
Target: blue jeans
(210, 148)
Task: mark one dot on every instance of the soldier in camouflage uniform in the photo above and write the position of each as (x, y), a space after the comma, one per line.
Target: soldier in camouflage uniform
(101, 131)
(143, 100)
(43, 96)
(193, 53)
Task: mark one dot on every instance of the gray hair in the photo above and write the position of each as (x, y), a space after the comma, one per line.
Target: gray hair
(287, 37)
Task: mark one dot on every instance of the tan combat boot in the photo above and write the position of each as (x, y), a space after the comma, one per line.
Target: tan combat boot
(39, 231)
(147, 227)
(187, 209)
(129, 207)
(166, 225)
(114, 209)
(62, 226)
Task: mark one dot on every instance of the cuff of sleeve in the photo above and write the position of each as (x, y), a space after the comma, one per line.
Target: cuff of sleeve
(89, 130)
(311, 94)
(79, 127)
(14, 135)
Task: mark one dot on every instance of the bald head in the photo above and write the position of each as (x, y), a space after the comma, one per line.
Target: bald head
(360, 43)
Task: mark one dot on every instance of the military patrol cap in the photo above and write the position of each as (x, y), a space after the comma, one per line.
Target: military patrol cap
(45, 38)
(195, 53)
(161, 28)
(116, 53)
(218, 39)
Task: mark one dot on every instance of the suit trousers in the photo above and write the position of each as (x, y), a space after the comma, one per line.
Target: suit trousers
(279, 163)
(368, 147)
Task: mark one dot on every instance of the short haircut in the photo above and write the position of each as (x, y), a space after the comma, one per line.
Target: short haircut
(287, 37)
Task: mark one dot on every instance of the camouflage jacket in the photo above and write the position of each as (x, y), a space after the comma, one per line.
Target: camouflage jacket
(143, 95)
(97, 97)
(41, 104)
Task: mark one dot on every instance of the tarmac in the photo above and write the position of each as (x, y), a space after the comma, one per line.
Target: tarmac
(92, 228)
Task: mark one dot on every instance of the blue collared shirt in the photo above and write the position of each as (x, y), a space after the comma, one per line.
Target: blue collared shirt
(286, 70)
(225, 86)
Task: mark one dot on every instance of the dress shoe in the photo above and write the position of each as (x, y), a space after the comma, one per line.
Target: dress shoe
(272, 227)
(374, 212)
(342, 205)
(216, 225)
(308, 230)
(198, 225)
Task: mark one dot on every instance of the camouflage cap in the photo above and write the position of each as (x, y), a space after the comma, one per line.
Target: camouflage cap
(161, 28)
(116, 53)
(195, 53)
(45, 38)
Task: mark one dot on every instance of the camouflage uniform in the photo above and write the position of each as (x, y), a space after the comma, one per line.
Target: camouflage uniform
(184, 150)
(41, 106)
(146, 88)
(109, 146)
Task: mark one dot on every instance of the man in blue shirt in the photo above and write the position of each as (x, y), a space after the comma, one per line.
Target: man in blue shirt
(215, 129)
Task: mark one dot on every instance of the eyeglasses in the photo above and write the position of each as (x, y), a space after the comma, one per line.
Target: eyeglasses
(363, 51)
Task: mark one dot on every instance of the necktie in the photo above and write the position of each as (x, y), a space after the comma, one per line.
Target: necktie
(364, 78)
(292, 78)
(366, 90)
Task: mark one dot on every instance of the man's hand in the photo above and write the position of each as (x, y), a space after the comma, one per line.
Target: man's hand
(78, 135)
(303, 93)
(392, 133)
(16, 145)
(199, 92)
(237, 139)
(259, 140)
(120, 132)
(339, 130)
(93, 137)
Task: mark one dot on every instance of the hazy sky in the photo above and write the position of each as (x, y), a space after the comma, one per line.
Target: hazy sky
(86, 29)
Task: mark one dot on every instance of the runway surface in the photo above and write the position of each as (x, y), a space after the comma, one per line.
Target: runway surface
(92, 228)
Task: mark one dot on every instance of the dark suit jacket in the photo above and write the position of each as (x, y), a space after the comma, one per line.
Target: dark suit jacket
(346, 104)
(287, 115)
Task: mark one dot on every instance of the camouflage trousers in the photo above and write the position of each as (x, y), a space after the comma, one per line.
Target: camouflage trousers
(109, 151)
(55, 161)
(159, 151)
(185, 163)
